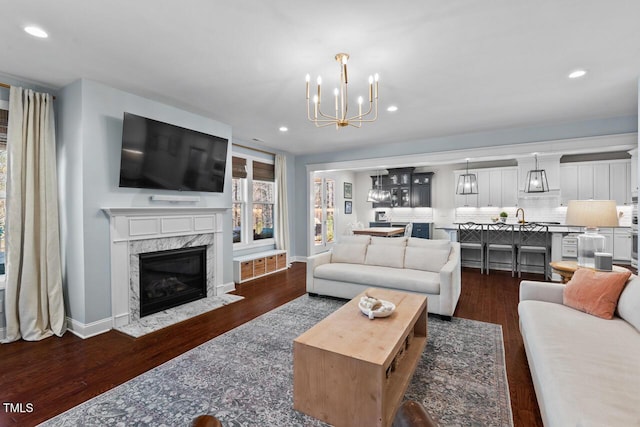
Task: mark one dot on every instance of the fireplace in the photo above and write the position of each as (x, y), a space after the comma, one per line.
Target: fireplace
(172, 277)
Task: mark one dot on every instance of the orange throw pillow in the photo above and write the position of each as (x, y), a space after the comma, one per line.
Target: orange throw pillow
(595, 292)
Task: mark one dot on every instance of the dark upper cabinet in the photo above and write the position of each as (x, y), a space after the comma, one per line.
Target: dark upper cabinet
(400, 187)
(407, 189)
(421, 189)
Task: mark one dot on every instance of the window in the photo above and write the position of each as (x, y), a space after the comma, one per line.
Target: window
(254, 215)
(4, 121)
(238, 196)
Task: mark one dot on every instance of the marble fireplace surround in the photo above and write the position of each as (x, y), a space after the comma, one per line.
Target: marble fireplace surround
(151, 229)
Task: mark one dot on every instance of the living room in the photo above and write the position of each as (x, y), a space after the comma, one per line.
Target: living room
(487, 83)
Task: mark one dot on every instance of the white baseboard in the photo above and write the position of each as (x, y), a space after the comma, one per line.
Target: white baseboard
(120, 320)
(225, 288)
(85, 331)
(3, 333)
(299, 259)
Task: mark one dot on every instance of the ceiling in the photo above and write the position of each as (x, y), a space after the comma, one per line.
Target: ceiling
(451, 67)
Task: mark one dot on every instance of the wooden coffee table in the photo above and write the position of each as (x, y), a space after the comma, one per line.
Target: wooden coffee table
(349, 370)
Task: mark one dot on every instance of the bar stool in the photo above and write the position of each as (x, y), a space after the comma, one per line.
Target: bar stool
(471, 236)
(534, 238)
(500, 237)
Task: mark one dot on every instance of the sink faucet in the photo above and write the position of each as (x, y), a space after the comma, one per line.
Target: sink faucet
(522, 221)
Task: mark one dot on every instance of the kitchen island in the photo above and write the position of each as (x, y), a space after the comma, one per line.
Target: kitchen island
(618, 243)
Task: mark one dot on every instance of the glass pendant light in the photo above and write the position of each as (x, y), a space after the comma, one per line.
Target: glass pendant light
(467, 183)
(377, 194)
(536, 180)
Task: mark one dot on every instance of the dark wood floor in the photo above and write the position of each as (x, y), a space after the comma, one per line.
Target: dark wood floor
(58, 373)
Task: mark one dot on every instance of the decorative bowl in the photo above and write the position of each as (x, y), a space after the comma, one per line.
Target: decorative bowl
(384, 311)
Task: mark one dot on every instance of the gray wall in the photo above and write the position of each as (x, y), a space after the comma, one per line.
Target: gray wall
(500, 137)
(90, 133)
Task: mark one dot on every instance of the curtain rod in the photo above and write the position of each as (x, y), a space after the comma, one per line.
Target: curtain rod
(9, 87)
(254, 149)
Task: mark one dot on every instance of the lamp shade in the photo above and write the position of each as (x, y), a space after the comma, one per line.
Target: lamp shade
(592, 213)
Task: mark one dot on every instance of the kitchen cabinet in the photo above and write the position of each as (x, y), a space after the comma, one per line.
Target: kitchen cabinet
(510, 187)
(497, 187)
(406, 189)
(622, 244)
(620, 183)
(421, 230)
(617, 243)
(400, 187)
(421, 190)
(568, 183)
(601, 180)
(585, 182)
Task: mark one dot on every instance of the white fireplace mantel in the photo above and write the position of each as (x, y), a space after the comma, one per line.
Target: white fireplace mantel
(134, 230)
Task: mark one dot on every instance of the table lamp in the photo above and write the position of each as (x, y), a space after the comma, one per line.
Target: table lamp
(591, 214)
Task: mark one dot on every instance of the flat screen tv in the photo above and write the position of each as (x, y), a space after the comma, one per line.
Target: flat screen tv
(158, 155)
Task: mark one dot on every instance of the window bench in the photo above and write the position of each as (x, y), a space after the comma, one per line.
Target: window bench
(252, 266)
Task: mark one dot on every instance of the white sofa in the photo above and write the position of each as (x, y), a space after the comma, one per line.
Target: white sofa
(585, 369)
(430, 267)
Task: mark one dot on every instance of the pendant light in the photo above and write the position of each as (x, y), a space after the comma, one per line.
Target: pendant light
(377, 194)
(536, 180)
(467, 183)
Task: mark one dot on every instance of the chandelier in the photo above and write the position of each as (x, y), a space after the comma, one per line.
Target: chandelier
(341, 101)
(377, 194)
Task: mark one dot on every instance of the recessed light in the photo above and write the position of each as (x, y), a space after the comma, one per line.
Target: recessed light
(36, 32)
(577, 74)
(392, 108)
(283, 128)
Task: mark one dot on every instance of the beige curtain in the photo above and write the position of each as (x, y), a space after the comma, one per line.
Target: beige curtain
(282, 230)
(33, 296)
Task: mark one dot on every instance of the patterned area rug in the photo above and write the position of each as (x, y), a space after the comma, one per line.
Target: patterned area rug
(245, 377)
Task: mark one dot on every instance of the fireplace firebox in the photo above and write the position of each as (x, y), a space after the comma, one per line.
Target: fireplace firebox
(172, 278)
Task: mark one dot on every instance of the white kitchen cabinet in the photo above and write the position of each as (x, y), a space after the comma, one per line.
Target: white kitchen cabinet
(620, 183)
(617, 243)
(568, 183)
(622, 244)
(601, 180)
(484, 188)
(585, 181)
(510, 187)
(608, 239)
(497, 187)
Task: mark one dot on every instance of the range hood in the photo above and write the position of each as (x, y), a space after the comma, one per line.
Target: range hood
(549, 198)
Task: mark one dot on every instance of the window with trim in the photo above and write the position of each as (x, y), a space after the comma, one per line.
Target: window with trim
(253, 201)
(4, 122)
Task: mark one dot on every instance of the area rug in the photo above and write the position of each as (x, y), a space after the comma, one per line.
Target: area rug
(245, 377)
(155, 322)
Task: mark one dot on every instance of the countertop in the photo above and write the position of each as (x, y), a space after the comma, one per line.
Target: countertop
(553, 228)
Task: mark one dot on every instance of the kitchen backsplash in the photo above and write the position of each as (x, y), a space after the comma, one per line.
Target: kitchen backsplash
(408, 214)
(532, 214)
